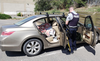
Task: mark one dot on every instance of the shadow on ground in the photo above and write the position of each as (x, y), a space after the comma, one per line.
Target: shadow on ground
(91, 49)
(65, 51)
(86, 46)
(14, 54)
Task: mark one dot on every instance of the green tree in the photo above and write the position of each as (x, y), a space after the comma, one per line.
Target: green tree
(60, 4)
(80, 3)
(69, 3)
(42, 5)
(75, 3)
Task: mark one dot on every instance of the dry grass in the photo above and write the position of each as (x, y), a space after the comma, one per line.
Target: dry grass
(82, 9)
(89, 9)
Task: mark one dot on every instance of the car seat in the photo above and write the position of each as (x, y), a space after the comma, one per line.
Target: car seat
(55, 27)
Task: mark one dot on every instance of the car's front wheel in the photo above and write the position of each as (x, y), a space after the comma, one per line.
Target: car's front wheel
(97, 38)
(32, 47)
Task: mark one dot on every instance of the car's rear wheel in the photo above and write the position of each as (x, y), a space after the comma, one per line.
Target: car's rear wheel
(32, 47)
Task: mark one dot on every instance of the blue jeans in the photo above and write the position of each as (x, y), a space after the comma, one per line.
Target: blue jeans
(72, 38)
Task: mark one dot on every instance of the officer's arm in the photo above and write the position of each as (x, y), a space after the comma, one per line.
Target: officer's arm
(69, 18)
(67, 21)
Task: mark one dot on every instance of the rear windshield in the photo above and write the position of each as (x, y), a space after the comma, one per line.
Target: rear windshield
(25, 20)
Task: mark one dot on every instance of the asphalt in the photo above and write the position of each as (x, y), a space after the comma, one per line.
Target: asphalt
(84, 52)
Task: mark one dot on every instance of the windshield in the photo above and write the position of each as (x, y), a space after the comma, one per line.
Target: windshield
(25, 20)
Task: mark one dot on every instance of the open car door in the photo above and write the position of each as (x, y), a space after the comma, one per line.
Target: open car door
(63, 38)
(89, 33)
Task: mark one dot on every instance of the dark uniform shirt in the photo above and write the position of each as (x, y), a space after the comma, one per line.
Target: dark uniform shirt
(73, 18)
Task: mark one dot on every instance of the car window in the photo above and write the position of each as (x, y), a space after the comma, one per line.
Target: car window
(88, 23)
(25, 20)
(40, 21)
(52, 19)
(78, 25)
(64, 19)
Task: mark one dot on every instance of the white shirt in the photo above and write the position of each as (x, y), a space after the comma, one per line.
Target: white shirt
(70, 16)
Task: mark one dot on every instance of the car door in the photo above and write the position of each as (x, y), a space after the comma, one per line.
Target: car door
(89, 32)
(64, 39)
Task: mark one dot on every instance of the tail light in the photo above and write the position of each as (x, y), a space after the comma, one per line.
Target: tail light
(7, 33)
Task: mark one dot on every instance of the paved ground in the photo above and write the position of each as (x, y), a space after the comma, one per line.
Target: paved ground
(83, 53)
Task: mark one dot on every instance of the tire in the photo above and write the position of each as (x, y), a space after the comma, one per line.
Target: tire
(32, 47)
(97, 38)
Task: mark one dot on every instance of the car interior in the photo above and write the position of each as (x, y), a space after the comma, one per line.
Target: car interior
(79, 32)
(46, 26)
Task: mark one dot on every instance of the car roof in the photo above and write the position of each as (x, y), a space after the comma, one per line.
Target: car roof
(46, 15)
(43, 16)
(35, 17)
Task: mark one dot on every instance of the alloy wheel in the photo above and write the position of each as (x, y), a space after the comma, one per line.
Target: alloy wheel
(32, 47)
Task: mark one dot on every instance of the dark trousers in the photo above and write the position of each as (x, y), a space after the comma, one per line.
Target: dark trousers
(72, 38)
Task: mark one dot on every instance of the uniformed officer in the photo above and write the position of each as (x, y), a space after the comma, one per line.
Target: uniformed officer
(72, 20)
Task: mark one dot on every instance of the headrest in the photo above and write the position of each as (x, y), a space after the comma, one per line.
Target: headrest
(55, 24)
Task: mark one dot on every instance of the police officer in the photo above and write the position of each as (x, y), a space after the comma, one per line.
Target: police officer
(72, 20)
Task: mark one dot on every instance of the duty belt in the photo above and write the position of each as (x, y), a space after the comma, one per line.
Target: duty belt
(72, 26)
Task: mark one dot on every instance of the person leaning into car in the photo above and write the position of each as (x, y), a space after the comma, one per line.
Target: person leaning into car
(72, 20)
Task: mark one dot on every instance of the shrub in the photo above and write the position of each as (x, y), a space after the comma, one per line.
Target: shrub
(5, 16)
(19, 14)
(98, 9)
(55, 10)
